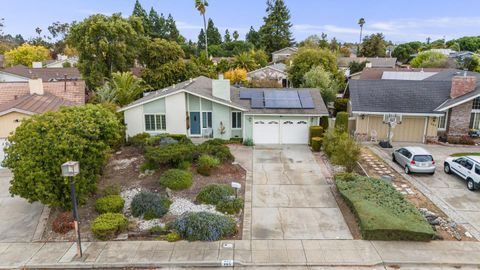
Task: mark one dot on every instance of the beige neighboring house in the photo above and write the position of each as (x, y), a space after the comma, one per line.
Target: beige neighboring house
(274, 72)
(282, 54)
(61, 61)
(21, 100)
(21, 73)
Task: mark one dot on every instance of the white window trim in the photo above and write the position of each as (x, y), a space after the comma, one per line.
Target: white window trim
(207, 119)
(155, 124)
(231, 120)
(446, 122)
(475, 115)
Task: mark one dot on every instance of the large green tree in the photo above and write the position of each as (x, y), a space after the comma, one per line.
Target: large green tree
(201, 6)
(42, 143)
(275, 32)
(105, 44)
(213, 35)
(157, 25)
(172, 32)
(26, 55)
(163, 61)
(306, 58)
(139, 12)
(404, 51)
(430, 59)
(317, 77)
(253, 37)
(374, 46)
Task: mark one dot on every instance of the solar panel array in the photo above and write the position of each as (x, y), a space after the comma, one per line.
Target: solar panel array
(278, 99)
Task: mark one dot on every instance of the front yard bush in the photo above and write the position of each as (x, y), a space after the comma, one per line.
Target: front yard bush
(314, 131)
(149, 205)
(316, 143)
(107, 225)
(324, 122)
(206, 163)
(340, 105)
(466, 140)
(63, 223)
(109, 204)
(213, 193)
(212, 148)
(176, 179)
(171, 154)
(43, 142)
(203, 226)
(381, 211)
(140, 140)
(185, 165)
(230, 206)
(341, 122)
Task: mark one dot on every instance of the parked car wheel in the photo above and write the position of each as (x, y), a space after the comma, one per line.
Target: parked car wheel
(470, 184)
(446, 168)
(407, 170)
(393, 158)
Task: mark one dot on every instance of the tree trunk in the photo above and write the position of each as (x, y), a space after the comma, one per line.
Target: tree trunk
(358, 49)
(205, 28)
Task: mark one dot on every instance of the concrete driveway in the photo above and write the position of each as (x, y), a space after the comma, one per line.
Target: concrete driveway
(18, 218)
(291, 198)
(450, 190)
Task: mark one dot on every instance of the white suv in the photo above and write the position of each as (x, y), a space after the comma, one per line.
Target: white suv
(467, 167)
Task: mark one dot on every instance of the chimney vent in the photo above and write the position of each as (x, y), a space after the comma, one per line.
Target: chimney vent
(35, 86)
(462, 85)
(221, 88)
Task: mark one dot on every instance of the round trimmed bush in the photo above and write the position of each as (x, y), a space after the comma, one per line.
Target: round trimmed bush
(109, 204)
(230, 206)
(317, 143)
(176, 179)
(150, 205)
(107, 225)
(203, 226)
(213, 193)
(206, 163)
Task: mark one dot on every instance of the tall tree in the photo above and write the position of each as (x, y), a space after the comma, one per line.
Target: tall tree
(1, 25)
(227, 37)
(157, 24)
(323, 41)
(105, 44)
(201, 43)
(201, 6)
(361, 23)
(142, 14)
(172, 31)
(374, 46)
(213, 35)
(26, 54)
(253, 37)
(235, 35)
(275, 33)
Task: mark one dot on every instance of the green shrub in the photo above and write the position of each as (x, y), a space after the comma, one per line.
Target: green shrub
(340, 105)
(230, 206)
(466, 140)
(109, 204)
(213, 193)
(165, 139)
(203, 226)
(107, 225)
(171, 154)
(314, 131)
(216, 141)
(173, 237)
(185, 165)
(316, 143)
(329, 142)
(346, 152)
(341, 122)
(112, 190)
(206, 163)
(139, 140)
(324, 123)
(212, 148)
(150, 205)
(157, 229)
(382, 212)
(176, 179)
(248, 142)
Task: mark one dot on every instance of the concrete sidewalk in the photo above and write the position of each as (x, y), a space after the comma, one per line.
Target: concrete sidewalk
(243, 253)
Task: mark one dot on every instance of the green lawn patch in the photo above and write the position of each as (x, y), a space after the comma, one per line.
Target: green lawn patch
(465, 154)
(381, 211)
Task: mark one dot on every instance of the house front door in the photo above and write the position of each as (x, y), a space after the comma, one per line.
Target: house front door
(195, 123)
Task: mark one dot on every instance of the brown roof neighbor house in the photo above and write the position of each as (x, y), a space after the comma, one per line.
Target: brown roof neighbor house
(23, 73)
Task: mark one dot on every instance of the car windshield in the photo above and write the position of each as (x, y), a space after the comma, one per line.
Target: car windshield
(423, 158)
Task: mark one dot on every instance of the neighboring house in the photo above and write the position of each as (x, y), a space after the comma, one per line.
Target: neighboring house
(446, 103)
(203, 107)
(396, 73)
(20, 73)
(274, 72)
(20, 100)
(373, 62)
(61, 61)
(281, 55)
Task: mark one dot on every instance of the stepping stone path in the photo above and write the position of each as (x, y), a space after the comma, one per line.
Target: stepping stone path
(381, 169)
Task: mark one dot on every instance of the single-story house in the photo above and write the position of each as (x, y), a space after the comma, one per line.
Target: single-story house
(203, 107)
(21, 100)
(21, 73)
(274, 72)
(61, 61)
(283, 54)
(447, 103)
(374, 62)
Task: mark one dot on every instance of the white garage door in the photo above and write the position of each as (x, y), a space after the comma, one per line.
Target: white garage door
(280, 131)
(3, 143)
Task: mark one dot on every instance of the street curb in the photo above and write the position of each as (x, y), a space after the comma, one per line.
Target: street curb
(42, 223)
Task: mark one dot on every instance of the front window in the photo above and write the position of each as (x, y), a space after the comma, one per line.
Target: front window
(475, 120)
(236, 120)
(442, 121)
(476, 104)
(206, 119)
(154, 122)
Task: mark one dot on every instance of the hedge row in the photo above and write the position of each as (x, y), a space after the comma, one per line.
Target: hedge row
(381, 211)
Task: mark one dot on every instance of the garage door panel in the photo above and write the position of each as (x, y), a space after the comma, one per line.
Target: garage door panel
(294, 131)
(266, 131)
(410, 130)
(281, 131)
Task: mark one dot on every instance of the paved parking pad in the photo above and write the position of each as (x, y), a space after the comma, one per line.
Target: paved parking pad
(291, 198)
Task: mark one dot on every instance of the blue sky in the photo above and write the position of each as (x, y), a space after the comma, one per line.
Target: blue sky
(400, 21)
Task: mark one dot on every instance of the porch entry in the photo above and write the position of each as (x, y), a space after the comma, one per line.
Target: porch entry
(195, 123)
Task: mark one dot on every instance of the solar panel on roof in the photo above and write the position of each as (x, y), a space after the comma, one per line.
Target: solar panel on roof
(281, 99)
(248, 94)
(306, 100)
(257, 103)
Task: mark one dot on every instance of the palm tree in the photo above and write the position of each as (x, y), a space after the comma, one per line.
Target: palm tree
(244, 60)
(361, 22)
(201, 6)
(122, 89)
